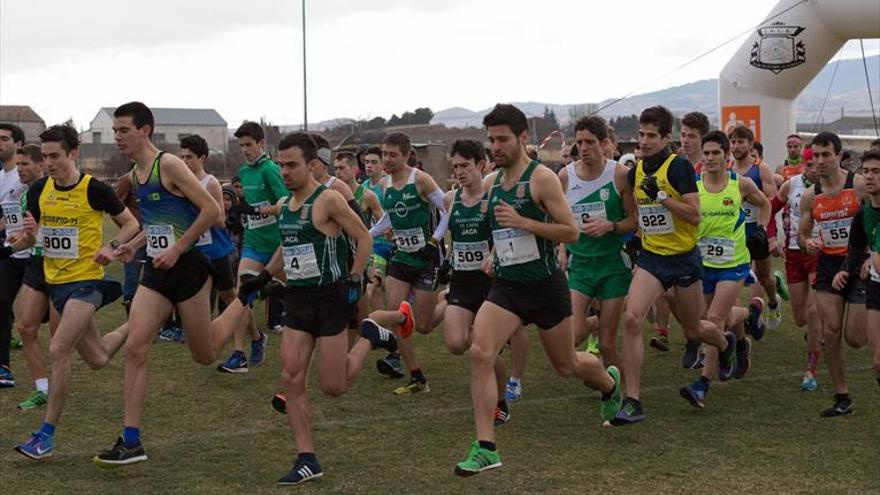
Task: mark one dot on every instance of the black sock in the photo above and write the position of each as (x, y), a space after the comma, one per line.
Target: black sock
(487, 445)
(692, 345)
(840, 397)
(741, 345)
(307, 457)
(705, 381)
(502, 404)
(417, 375)
(878, 380)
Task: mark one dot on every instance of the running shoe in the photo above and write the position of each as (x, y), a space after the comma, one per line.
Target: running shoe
(501, 416)
(630, 413)
(38, 447)
(7, 379)
(301, 472)
(413, 387)
(15, 343)
(235, 363)
(279, 402)
(258, 349)
(514, 391)
(276, 329)
(727, 358)
(409, 323)
(166, 334)
(743, 358)
(593, 344)
(781, 286)
(775, 318)
(809, 383)
(660, 342)
(378, 336)
(755, 322)
(611, 405)
(390, 366)
(478, 460)
(120, 455)
(695, 393)
(842, 406)
(35, 400)
(691, 356)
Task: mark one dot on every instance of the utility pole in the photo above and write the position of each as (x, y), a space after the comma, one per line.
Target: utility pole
(305, 88)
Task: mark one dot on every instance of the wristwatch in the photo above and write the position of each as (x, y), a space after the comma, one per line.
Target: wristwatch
(115, 244)
(661, 195)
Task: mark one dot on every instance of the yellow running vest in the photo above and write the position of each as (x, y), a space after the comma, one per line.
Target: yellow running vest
(72, 233)
(662, 232)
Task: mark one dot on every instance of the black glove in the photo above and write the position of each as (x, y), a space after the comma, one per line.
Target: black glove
(354, 288)
(650, 187)
(275, 288)
(249, 286)
(5, 252)
(431, 253)
(444, 273)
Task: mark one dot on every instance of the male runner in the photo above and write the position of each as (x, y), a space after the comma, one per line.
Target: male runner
(346, 170)
(176, 210)
(726, 267)
(832, 203)
(669, 216)
(383, 248)
(794, 163)
(69, 207)
(527, 214)
(603, 208)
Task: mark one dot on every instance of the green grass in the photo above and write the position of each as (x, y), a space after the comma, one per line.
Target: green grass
(208, 432)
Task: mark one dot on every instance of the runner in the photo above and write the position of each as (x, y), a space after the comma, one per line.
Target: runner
(722, 242)
(176, 211)
(603, 207)
(832, 203)
(669, 217)
(527, 214)
(795, 162)
(69, 208)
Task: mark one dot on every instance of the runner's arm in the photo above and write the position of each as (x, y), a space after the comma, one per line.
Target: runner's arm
(372, 202)
(547, 192)
(805, 227)
(216, 192)
(630, 221)
(768, 181)
(353, 227)
(180, 177)
(382, 226)
(856, 246)
(432, 192)
(277, 189)
(753, 195)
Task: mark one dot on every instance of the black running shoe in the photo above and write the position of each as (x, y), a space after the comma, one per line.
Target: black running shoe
(279, 402)
(378, 336)
(120, 455)
(301, 472)
(743, 358)
(842, 406)
(630, 413)
(691, 355)
(727, 359)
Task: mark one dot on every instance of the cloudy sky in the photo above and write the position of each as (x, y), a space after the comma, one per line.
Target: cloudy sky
(366, 58)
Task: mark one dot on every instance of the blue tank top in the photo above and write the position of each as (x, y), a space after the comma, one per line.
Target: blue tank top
(751, 210)
(215, 243)
(165, 216)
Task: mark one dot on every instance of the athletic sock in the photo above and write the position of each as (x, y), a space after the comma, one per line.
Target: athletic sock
(515, 380)
(840, 397)
(502, 404)
(487, 445)
(47, 429)
(741, 345)
(131, 436)
(812, 361)
(42, 385)
(704, 382)
(307, 457)
(417, 375)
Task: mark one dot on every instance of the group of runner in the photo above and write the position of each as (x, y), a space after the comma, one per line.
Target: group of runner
(360, 267)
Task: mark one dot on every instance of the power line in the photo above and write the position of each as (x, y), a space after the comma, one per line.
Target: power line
(868, 82)
(827, 92)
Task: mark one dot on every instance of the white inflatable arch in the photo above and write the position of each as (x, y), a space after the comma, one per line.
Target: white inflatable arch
(759, 84)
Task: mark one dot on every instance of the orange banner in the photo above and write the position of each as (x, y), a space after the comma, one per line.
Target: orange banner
(747, 115)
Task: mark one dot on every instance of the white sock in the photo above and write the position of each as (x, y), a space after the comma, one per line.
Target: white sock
(514, 380)
(42, 385)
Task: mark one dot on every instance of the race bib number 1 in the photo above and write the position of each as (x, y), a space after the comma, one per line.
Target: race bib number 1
(300, 262)
(515, 247)
(655, 220)
(159, 239)
(61, 242)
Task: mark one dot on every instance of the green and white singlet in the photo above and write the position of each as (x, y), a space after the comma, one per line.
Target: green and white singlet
(594, 198)
(410, 217)
(470, 233)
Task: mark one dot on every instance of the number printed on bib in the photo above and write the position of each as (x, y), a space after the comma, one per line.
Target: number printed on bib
(159, 238)
(655, 220)
(300, 262)
(751, 212)
(257, 221)
(468, 256)
(585, 211)
(717, 249)
(515, 246)
(61, 242)
(835, 233)
(205, 239)
(12, 216)
(409, 240)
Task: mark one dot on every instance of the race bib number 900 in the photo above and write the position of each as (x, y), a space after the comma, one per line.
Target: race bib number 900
(61, 242)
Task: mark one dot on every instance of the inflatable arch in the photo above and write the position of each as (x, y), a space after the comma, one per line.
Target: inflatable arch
(759, 84)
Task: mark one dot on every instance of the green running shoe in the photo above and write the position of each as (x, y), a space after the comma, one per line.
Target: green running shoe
(611, 406)
(593, 344)
(35, 400)
(15, 343)
(781, 286)
(478, 460)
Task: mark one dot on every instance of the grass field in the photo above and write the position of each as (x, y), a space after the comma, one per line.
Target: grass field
(207, 432)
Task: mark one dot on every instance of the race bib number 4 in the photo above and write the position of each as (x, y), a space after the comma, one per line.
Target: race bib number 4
(717, 249)
(655, 220)
(257, 221)
(61, 242)
(515, 247)
(469, 256)
(409, 240)
(835, 233)
(159, 239)
(585, 211)
(12, 216)
(300, 262)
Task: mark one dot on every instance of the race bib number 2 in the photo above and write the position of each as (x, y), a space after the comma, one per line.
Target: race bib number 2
(60, 242)
(585, 211)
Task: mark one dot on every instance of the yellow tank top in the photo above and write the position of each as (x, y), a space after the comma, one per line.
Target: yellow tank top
(72, 233)
(662, 232)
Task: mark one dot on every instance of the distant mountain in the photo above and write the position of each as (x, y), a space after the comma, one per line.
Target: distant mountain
(847, 92)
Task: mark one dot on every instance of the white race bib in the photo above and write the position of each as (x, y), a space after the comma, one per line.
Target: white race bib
(717, 249)
(751, 212)
(655, 220)
(409, 240)
(835, 233)
(257, 221)
(874, 275)
(468, 256)
(515, 247)
(61, 242)
(300, 262)
(159, 239)
(205, 239)
(12, 216)
(585, 211)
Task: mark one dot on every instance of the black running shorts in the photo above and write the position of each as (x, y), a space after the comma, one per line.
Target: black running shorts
(183, 280)
(319, 311)
(545, 302)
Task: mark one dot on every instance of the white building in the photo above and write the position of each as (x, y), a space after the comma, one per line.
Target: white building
(172, 124)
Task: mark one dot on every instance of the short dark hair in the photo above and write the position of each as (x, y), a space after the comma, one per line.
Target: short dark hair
(757, 146)
(659, 116)
(870, 154)
(696, 120)
(825, 138)
(235, 178)
(468, 149)
(304, 141)
(373, 150)
(717, 137)
(140, 114)
(875, 143)
(594, 124)
(17, 133)
(31, 151)
(196, 144)
(400, 140)
(347, 156)
(250, 129)
(64, 134)
(796, 136)
(574, 152)
(509, 115)
(741, 132)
